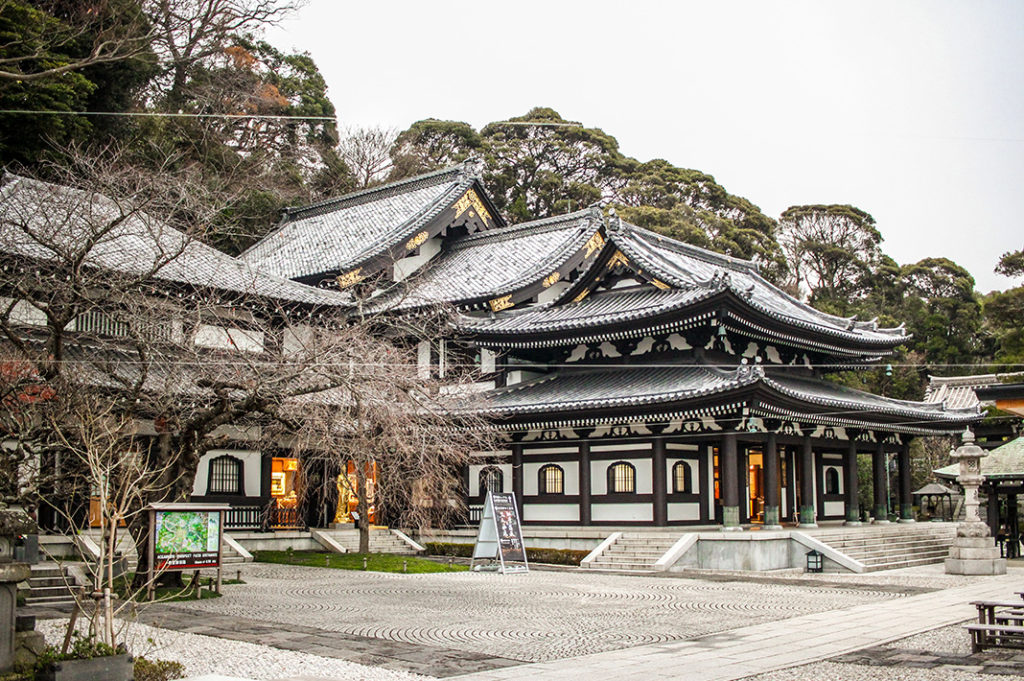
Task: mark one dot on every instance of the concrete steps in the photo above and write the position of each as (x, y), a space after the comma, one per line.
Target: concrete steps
(381, 541)
(634, 552)
(49, 585)
(889, 548)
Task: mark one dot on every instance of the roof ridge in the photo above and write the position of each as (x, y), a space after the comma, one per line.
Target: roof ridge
(374, 193)
(503, 233)
(696, 251)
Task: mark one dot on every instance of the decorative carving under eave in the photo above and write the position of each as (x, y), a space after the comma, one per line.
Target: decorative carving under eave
(705, 424)
(552, 279)
(621, 430)
(618, 259)
(791, 428)
(550, 434)
(470, 201)
(350, 278)
(502, 303)
(593, 245)
(417, 241)
(583, 294)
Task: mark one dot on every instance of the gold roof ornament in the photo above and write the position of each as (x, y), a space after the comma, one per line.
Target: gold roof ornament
(350, 278)
(470, 201)
(417, 241)
(502, 303)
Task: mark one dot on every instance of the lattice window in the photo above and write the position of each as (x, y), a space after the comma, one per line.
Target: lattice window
(225, 475)
(682, 478)
(491, 480)
(552, 479)
(621, 478)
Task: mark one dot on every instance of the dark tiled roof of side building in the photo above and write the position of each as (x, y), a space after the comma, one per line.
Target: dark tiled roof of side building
(622, 387)
(35, 216)
(496, 262)
(338, 234)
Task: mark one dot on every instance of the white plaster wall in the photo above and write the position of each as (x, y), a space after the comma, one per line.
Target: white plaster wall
(486, 361)
(622, 512)
(623, 447)
(560, 512)
(406, 266)
(221, 338)
(689, 511)
(531, 471)
(552, 292)
(835, 508)
(24, 312)
(423, 359)
(296, 339)
(680, 447)
(694, 474)
(474, 477)
(251, 471)
(520, 376)
(599, 475)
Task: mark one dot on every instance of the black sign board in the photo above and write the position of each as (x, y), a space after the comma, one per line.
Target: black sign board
(501, 536)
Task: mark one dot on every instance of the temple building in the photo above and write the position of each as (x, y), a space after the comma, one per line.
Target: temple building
(638, 380)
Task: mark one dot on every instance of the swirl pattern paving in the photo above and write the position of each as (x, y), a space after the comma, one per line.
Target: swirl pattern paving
(533, 617)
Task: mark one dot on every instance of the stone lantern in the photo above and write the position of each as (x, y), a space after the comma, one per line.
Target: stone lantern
(13, 524)
(973, 552)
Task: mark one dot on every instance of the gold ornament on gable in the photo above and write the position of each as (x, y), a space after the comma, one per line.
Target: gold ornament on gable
(502, 303)
(353, 277)
(470, 201)
(416, 241)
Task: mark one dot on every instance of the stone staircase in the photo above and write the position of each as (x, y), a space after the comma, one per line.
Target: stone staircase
(637, 551)
(48, 586)
(897, 546)
(381, 541)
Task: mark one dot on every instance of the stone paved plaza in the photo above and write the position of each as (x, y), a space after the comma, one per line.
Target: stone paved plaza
(534, 617)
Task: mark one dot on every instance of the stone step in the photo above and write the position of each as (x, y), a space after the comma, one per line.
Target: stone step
(46, 572)
(40, 582)
(627, 559)
(639, 567)
(896, 550)
(903, 564)
(47, 591)
(49, 600)
(934, 556)
(906, 547)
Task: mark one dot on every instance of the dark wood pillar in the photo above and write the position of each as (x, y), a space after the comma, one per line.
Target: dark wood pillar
(906, 499)
(791, 509)
(807, 506)
(584, 483)
(879, 465)
(730, 484)
(659, 479)
(771, 482)
(851, 478)
(517, 476)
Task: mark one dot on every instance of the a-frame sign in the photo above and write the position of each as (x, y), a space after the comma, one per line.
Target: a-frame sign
(500, 536)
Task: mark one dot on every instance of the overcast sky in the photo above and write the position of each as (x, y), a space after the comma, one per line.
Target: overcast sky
(912, 111)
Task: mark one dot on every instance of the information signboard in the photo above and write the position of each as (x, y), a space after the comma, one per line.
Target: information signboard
(186, 539)
(501, 536)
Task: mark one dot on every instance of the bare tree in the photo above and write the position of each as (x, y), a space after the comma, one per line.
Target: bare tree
(367, 152)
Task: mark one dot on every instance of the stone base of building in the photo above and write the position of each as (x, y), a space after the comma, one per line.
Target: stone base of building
(974, 556)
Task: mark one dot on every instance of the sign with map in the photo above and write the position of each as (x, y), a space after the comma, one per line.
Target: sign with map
(187, 539)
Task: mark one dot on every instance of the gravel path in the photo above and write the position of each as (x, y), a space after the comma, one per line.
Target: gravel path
(533, 617)
(205, 655)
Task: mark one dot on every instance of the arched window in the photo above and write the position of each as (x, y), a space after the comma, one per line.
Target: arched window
(682, 482)
(621, 478)
(225, 475)
(491, 480)
(551, 480)
(831, 481)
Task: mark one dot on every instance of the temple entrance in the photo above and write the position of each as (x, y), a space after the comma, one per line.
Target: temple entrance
(755, 486)
(284, 492)
(348, 497)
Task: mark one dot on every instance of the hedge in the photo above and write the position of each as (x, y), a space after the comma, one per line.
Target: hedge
(549, 556)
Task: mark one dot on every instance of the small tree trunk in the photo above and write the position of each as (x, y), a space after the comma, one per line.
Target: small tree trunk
(364, 508)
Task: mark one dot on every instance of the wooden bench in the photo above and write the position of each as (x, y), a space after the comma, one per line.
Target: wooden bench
(995, 636)
(999, 612)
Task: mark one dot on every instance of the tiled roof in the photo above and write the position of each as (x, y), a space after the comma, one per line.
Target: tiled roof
(1003, 462)
(623, 387)
(575, 321)
(690, 267)
(496, 262)
(959, 391)
(37, 216)
(336, 235)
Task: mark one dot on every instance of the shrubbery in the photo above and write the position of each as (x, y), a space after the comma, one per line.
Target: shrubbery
(549, 556)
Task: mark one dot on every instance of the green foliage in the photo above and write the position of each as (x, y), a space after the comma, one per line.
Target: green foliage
(375, 562)
(82, 648)
(1011, 264)
(1004, 321)
(157, 670)
(431, 144)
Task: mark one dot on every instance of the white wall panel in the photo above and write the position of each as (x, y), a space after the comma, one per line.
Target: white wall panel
(622, 512)
(560, 512)
(690, 511)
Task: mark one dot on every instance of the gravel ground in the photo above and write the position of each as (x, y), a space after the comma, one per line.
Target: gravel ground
(206, 655)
